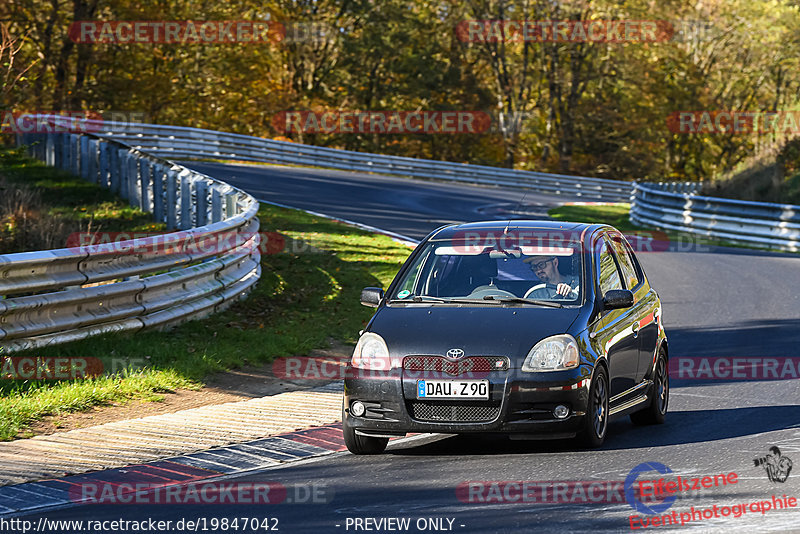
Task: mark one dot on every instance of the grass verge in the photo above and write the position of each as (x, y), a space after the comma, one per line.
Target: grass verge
(301, 302)
(40, 206)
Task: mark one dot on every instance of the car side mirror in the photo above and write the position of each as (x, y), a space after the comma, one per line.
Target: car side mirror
(617, 299)
(372, 296)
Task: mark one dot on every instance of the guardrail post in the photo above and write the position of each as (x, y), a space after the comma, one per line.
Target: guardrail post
(172, 200)
(201, 203)
(230, 205)
(216, 205)
(146, 183)
(75, 154)
(92, 160)
(50, 150)
(83, 162)
(186, 202)
(134, 194)
(122, 172)
(30, 141)
(65, 152)
(102, 163)
(158, 192)
(113, 168)
(57, 152)
(72, 159)
(35, 146)
(44, 138)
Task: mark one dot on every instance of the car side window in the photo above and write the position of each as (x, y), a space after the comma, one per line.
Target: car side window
(626, 263)
(609, 273)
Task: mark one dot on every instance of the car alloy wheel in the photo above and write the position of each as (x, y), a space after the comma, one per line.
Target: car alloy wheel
(596, 421)
(662, 386)
(656, 411)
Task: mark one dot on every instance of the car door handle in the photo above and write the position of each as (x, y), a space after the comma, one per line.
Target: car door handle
(635, 329)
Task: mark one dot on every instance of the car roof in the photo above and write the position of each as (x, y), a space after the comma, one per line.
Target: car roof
(448, 232)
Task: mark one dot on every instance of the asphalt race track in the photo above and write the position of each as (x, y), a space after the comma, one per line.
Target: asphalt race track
(736, 304)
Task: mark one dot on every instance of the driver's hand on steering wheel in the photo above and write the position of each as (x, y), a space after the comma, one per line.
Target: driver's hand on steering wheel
(563, 289)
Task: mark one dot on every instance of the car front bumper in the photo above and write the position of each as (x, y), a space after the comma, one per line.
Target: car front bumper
(519, 403)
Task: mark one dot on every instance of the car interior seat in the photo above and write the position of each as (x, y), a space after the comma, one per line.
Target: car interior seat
(471, 272)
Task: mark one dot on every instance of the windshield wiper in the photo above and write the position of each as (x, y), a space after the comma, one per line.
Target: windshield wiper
(548, 303)
(428, 298)
(450, 300)
(421, 298)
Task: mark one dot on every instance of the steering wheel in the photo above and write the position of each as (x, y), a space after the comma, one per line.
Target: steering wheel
(554, 287)
(482, 291)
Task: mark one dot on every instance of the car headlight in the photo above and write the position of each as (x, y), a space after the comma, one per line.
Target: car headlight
(371, 353)
(554, 353)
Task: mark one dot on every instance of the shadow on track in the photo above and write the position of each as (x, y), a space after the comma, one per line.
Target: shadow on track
(749, 339)
(681, 427)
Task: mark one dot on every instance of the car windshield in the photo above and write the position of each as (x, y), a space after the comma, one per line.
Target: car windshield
(547, 271)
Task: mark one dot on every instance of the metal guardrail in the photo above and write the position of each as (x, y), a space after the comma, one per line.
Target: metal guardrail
(679, 187)
(758, 224)
(54, 296)
(177, 142)
(66, 294)
(667, 205)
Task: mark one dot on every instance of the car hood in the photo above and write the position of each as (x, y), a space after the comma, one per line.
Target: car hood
(504, 331)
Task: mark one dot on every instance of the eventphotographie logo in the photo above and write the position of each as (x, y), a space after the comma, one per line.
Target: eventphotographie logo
(775, 464)
(634, 498)
(654, 496)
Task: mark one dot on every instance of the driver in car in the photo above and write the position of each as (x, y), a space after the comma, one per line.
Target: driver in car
(555, 285)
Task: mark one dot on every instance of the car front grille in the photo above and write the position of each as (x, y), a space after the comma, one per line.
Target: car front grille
(469, 365)
(453, 412)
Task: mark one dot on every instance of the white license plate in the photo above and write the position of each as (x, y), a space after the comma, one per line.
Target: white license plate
(452, 389)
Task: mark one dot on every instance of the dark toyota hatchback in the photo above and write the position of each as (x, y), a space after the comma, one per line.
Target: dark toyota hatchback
(527, 328)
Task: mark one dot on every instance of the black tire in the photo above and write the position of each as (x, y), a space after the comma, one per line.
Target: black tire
(361, 444)
(656, 412)
(595, 424)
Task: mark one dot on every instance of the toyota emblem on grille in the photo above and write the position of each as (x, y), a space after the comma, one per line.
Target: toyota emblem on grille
(455, 353)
